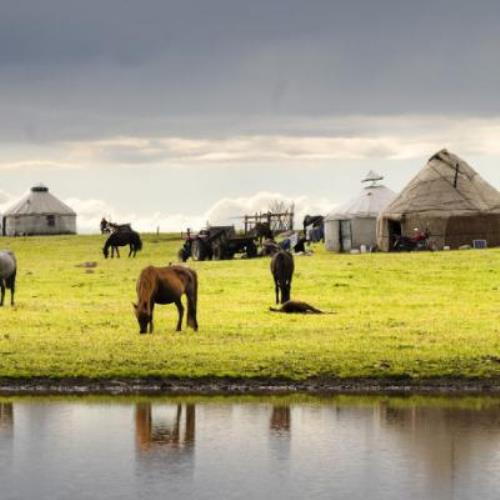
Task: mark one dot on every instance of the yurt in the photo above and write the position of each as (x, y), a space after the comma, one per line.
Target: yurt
(353, 225)
(447, 199)
(38, 213)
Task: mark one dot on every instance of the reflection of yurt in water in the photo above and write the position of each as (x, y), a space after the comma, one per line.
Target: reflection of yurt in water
(447, 199)
(439, 440)
(354, 224)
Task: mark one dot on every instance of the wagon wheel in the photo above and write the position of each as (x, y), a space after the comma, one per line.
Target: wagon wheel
(198, 250)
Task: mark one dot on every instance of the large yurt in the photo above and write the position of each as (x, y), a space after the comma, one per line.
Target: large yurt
(353, 225)
(447, 199)
(38, 213)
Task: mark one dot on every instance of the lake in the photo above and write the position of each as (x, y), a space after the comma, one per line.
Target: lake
(293, 447)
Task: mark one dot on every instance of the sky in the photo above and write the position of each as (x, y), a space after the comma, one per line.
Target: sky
(173, 113)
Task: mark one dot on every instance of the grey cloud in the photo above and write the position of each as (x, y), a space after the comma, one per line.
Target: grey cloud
(73, 69)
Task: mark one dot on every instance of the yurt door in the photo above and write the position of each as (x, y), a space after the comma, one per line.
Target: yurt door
(345, 235)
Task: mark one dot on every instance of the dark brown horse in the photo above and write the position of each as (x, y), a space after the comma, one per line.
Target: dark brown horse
(282, 267)
(166, 285)
(121, 239)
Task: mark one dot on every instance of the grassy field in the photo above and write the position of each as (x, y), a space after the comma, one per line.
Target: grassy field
(410, 315)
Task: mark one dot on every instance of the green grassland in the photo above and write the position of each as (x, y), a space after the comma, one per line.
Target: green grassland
(419, 315)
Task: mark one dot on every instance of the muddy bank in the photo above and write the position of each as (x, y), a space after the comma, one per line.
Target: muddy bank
(215, 386)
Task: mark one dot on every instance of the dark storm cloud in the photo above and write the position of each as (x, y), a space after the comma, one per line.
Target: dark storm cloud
(74, 69)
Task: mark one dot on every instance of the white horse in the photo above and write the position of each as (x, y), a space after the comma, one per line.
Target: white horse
(8, 270)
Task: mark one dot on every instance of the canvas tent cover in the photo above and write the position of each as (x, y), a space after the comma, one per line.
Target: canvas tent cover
(39, 202)
(433, 190)
(450, 199)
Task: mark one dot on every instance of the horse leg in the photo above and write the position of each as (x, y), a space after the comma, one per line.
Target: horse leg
(12, 289)
(117, 253)
(2, 287)
(285, 293)
(130, 251)
(191, 295)
(151, 326)
(277, 290)
(180, 310)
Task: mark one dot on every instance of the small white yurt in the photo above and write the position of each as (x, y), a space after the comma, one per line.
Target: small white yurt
(38, 213)
(353, 225)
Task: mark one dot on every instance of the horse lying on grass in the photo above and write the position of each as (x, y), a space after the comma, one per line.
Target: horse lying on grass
(8, 271)
(121, 239)
(166, 285)
(282, 268)
(293, 306)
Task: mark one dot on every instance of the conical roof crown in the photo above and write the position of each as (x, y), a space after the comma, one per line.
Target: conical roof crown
(39, 202)
(368, 203)
(446, 185)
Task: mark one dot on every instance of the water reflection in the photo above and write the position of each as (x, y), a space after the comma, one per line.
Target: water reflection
(446, 443)
(6, 416)
(160, 430)
(385, 448)
(281, 419)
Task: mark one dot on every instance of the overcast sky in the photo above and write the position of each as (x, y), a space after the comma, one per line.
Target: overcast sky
(171, 112)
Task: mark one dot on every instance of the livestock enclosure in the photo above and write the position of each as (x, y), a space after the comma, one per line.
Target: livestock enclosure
(405, 315)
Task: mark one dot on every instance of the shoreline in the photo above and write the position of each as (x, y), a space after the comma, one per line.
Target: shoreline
(227, 386)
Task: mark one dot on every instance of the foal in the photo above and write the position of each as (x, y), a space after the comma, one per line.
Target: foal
(296, 307)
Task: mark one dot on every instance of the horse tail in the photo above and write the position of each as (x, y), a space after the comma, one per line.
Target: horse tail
(192, 299)
(138, 242)
(11, 280)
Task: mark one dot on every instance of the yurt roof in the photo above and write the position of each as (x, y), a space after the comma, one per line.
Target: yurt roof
(447, 185)
(39, 202)
(369, 203)
(372, 176)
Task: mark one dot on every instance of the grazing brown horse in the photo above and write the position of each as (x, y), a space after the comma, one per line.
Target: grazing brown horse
(282, 267)
(166, 285)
